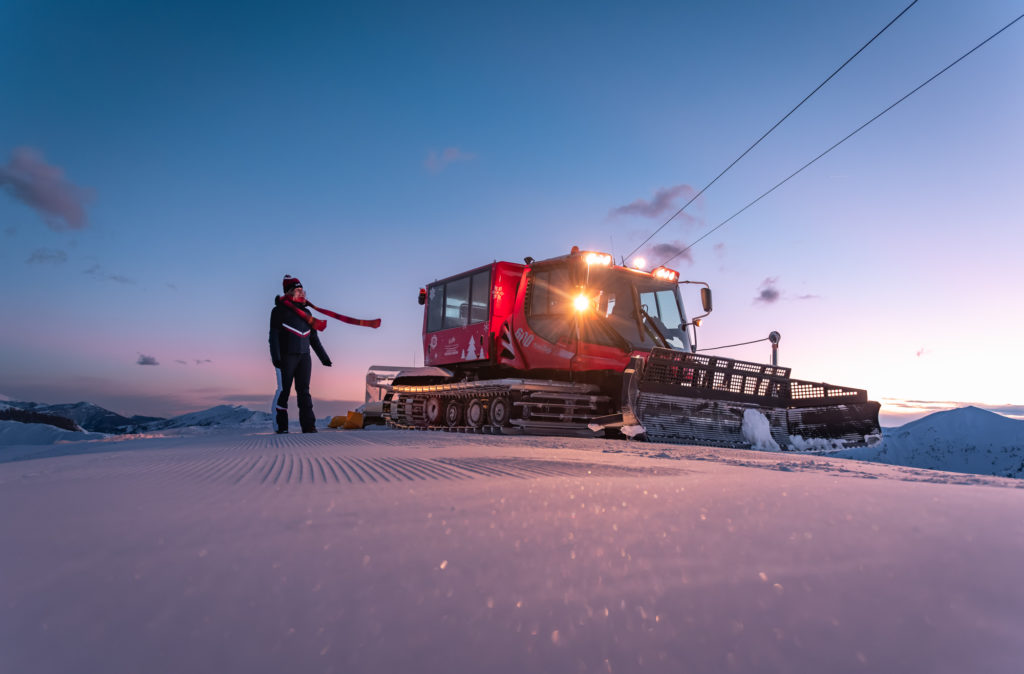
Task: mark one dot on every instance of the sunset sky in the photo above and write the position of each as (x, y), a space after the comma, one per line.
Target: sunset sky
(164, 164)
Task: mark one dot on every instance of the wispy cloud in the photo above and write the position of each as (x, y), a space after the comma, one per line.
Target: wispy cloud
(203, 361)
(768, 293)
(180, 362)
(44, 188)
(47, 256)
(667, 253)
(98, 273)
(146, 360)
(438, 161)
(664, 200)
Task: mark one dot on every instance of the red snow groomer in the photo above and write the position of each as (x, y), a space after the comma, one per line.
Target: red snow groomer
(576, 345)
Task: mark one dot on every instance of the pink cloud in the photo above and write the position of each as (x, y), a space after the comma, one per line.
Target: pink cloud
(43, 187)
(437, 162)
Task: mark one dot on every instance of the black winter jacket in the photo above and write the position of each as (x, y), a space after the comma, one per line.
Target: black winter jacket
(290, 334)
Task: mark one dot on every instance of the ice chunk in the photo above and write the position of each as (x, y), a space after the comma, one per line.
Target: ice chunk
(757, 431)
(633, 431)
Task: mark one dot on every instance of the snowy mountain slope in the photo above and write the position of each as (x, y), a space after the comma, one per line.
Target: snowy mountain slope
(221, 415)
(965, 440)
(87, 415)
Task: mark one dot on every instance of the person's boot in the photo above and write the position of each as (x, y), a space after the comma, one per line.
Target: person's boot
(282, 421)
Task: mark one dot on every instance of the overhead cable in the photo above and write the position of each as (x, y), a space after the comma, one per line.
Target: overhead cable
(846, 138)
(765, 135)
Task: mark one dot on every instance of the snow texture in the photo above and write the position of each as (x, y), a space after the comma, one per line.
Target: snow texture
(403, 551)
(758, 431)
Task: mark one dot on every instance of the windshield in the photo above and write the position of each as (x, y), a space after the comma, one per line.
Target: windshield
(617, 320)
(660, 321)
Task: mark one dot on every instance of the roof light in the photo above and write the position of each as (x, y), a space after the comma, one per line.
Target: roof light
(598, 259)
(639, 263)
(581, 302)
(665, 274)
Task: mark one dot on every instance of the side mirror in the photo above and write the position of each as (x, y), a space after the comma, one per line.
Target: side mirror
(422, 299)
(705, 299)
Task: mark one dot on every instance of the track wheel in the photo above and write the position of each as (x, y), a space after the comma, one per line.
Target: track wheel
(432, 409)
(500, 411)
(453, 413)
(476, 415)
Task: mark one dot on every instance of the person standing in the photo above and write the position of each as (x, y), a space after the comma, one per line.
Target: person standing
(293, 330)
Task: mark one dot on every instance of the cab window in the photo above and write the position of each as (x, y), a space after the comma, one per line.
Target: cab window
(459, 302)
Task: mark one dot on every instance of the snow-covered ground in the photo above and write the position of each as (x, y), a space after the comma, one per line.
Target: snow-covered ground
(398, 551)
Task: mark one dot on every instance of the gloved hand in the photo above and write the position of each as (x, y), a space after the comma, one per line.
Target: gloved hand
(277, 364)
(327, 363)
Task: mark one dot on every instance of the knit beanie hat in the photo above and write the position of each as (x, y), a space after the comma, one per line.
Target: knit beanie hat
(290, 282)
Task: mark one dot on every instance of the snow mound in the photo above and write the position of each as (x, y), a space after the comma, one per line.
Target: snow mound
(964, 440)
(18, 433)
(802, 444)
(757, 431)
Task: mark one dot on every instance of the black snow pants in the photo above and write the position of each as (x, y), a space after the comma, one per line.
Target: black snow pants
(294, 368)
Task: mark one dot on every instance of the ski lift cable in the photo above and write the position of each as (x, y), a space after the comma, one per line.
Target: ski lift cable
(848, 136)
(774, 126)
(729, 346)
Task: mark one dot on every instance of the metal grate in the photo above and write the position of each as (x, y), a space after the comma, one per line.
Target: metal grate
(742, 381)
(715, 377)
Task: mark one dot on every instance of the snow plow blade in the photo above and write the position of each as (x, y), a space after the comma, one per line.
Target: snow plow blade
(688, 398)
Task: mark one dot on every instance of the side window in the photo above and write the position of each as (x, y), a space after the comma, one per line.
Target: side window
(549, 294)
(550, 310)
(456, 303)
(435, 308)
(481, 292)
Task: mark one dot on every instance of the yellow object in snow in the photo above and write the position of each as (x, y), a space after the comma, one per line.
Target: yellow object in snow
(350, 421)
(354, 420)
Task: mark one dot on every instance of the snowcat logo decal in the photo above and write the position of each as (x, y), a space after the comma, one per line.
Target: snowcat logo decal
(498, 293)
(297, 332)
(433, 342)
(525, 338)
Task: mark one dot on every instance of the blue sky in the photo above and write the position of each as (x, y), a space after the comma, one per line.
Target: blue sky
(371, 148)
